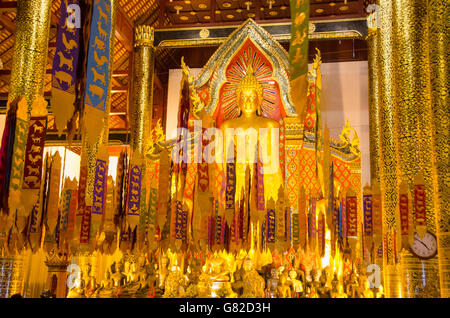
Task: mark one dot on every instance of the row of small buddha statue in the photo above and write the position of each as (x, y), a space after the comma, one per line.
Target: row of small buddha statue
(214, 278)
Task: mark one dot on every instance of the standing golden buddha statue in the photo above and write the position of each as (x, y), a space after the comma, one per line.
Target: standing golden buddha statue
(252, 140)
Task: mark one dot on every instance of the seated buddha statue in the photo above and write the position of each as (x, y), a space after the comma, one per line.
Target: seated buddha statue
(253, 283)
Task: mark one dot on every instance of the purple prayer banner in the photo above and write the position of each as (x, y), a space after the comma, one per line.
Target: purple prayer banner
(65, 63)
(134, 191)
(230, 186)
(367, 202)
(178, 220)
(260, 184)
(99, 187)
(270, 226)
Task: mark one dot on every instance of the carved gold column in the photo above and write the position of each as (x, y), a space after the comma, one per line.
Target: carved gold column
(11, 276)
(141, 112)
(141, 108)
(388, 160)
(413, 134)
(27, 79)
(30, 49)
(438, 25)
(374, 125)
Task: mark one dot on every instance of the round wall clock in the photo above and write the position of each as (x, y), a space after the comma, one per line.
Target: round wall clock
(426, 247)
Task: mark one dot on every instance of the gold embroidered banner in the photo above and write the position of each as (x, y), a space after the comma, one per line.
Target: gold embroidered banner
(420, 207)
(298, 54)
(404, 206)
(52, 200)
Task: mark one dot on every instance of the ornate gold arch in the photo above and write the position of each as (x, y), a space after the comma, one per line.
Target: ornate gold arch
(213, 74)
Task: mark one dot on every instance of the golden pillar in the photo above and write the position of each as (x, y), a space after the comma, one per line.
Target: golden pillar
(374, 125)
(11, 276)
(141, 114)
(27, 79)
(438, 35)
(387, 158)
(30, 49)
(141, 108)
(413, 134)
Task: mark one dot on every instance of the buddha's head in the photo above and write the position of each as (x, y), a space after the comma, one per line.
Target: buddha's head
(249, 93)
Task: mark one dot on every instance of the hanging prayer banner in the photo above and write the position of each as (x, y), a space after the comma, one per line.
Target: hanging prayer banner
(98, 204)
(352, 214)
(420, 207)
(403, 207)
(367, 206)
(65, 202)
(85, 225)
(34, 151)
(230, 187)
(335, 228)
(280, 226)
(178, 226)
(298, 54)
(19, 140)
(53, 196)
(352, 220)
(97, 73)
(302, 219)
(312, 224)
(152, 222)
(184, 225)
(330, 209)
(72, 214)
(163, 188)
(260, 189)
(34, 228)
(343, 218)
(321, 234)
(377, 217)
(134, 196)
(65, 65)
(108, 227)
(295, 228)
(6, 159)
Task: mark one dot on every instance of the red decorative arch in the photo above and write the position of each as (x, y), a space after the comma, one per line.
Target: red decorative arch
(235, 71)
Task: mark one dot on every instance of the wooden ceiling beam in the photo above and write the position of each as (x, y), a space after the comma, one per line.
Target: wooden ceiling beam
(6, 22)
(8, 6)
(124, 30)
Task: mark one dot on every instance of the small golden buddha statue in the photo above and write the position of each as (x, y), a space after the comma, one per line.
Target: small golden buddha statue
(176, 283)
(78, 289)
(119, 279)
(163, 271)
(340, 293)
(296, 285)
(90, 281)
(253, 283)
(283, 289)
